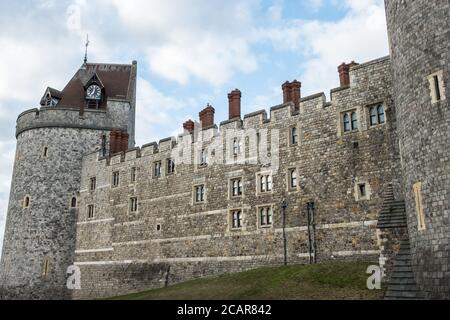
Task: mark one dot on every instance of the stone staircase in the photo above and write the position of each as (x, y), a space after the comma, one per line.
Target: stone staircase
(401, 285)
(393, 213)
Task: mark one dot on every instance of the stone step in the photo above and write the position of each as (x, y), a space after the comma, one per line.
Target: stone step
(403, 257)
(391, 225)
(391, 219)
(403, 269)
(410, 280)
(398, 275)
(410, 287)
(404, 294)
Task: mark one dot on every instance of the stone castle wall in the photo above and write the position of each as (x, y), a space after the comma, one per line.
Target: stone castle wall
(171, 239)
(46, 229)
(419, 35)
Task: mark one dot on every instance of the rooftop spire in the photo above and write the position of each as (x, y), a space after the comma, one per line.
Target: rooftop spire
(87, 44)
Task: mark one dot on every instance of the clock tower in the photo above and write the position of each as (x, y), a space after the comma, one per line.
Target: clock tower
(40, 235)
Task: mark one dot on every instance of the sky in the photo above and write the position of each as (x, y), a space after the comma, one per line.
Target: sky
(189, 53)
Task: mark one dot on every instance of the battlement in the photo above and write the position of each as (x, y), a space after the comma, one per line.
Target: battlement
(309, 109)
(114, 117)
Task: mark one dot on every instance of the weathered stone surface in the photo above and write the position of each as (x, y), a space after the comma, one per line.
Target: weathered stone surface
(419, 35)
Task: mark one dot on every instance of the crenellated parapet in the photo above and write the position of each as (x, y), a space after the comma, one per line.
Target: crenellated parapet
(115, 117)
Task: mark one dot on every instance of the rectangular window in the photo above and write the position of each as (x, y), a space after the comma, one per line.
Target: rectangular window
(170, 166)
(236, 187)
(265, 216)
(376, 114)
(350, 121)
(236, 146)
(294, 135)
(46, 267)
(203, 158)
(90, 211)
(236, 219)
(265, 183)
(157, 169)
(199, 193)
(437, 91)
(417, 188)
(133, 175)
(436, 86)
(133, 204)
(115, 179)
(92, 184)
(362, 190)
(293, 178)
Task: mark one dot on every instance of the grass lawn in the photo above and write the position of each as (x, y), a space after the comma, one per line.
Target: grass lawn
(337, 280)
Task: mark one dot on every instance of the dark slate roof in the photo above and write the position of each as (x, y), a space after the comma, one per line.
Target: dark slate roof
(117, 80)
(53, 92)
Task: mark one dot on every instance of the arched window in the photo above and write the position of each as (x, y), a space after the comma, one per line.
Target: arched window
(373, 116)
(45, 152)
(346, 122)
(294, 135)
(293, 178)
(73, 202)
(380, 112)
(354, 120)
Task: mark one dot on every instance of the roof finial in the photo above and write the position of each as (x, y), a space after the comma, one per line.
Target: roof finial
(87, 44)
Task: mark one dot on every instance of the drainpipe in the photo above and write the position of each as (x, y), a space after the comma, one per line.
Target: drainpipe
(284, 205)
(311, 232)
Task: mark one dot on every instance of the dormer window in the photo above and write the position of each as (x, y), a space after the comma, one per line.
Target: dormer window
(51, 97)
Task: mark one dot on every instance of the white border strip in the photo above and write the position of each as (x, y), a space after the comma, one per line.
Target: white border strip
(94, 250)
(95, 221)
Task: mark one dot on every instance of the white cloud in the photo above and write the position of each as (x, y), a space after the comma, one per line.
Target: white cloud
(199, 39)
(360, 36)
(158, 113)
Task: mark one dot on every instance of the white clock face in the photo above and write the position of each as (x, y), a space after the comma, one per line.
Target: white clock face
(94, 92)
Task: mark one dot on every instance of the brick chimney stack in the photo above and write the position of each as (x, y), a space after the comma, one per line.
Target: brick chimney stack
(286, 87)
(118, 141)
(291, 91)
(207, 116)
(344, 73)
(295, 91)
(234, 104)
(188, 126)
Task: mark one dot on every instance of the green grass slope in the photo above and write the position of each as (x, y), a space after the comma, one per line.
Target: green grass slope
(337, 280)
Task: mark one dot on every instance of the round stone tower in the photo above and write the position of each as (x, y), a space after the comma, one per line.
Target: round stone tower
(39, 242)
(419, 35)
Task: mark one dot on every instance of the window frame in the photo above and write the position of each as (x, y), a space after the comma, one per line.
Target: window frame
(293, 138)
(202, 193)
(290, 171)
(26, 202)
(376, 114)
(237, 215)
(115, 179)
(90, 215)
(157, 169)
(133, 206)
(239, 187)
(133, 175)
(92, 184)
(265, 216)
(350, 121)
(264, 182)
(170, 162)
